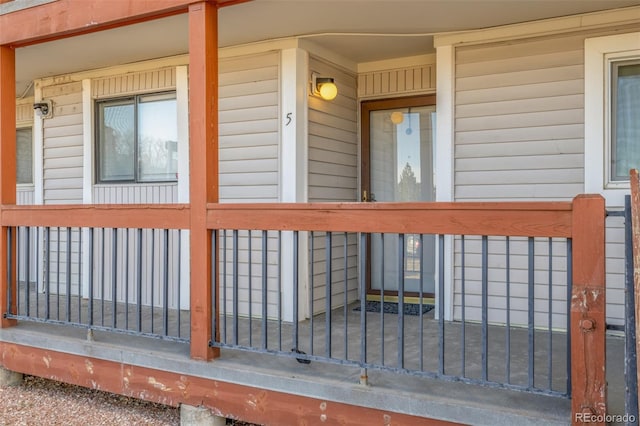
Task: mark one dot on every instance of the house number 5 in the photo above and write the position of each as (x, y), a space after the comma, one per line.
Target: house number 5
(288, 119)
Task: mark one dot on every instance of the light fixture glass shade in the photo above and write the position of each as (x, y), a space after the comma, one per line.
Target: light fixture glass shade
(328, 91)
(397, 117)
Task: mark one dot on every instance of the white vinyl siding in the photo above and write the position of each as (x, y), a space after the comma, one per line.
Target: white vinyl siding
(519, 135)
(249, 128)
(63, 145)
(134, 83)
(333, 176)
(249, 170)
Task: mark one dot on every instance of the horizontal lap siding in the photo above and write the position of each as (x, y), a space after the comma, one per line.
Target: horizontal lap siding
(519, 135)
(63, 145)
(333, 176)
(249, 128)
(249, 172)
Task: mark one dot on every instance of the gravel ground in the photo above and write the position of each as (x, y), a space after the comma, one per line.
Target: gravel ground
(44, 402)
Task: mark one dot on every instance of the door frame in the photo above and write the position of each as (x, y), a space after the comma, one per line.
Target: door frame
(366, 106)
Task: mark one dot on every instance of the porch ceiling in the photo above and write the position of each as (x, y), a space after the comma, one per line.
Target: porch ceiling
(359, 30)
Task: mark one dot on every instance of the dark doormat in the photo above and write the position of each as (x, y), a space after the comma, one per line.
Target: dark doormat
(392, 307)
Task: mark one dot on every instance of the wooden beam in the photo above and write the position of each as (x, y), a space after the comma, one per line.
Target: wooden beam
(588, 302)
(512, 219)
(160, 216)
(65, 18)
(7, 172)
(203, 155)
(230, 400)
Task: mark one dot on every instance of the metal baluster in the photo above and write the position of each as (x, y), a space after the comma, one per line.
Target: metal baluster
(102, 255)
(250, 291)
(26, 272)
(235, 285)
(79, 274)
(279, 293)
(327, 291)
(223, 308)
(10, 292)
(531, 313)
(295, 290)
(126, 279)
(214, 290)
(90, 266)
(346, 299)
(27, 299)
(463, 325)
(485, 308)
(47, 276)
(508, 328)
(153, 273)
(311, 288)
(550, 320)
(139, 280)
(630, 367)
(17, 277)
(421, 298)
(179, 286)
(363, 310)
(36, 290)
(68, 273)
(58, 274)
(569, 292)
(401, 266)
(165, 296)
(264, 290)
(441, 342)
(114, 276)
(382, 302)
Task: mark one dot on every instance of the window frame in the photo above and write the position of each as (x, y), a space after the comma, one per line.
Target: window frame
(135, 98)
(32, 183)
(600, 53)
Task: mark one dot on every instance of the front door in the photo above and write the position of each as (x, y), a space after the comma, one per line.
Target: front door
(398, 166)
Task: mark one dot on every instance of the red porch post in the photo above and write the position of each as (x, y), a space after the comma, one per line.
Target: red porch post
(203, 156)
(588, 378)
(7, 167)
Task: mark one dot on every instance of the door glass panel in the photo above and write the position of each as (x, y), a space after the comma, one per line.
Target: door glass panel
(401, 170)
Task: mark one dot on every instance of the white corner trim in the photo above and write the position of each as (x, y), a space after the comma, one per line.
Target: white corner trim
(294, 68)
(182, 103)
(564, 24)
(595, 114)
(444, 123)
(38, 150)
(444, 165)
(87, 143)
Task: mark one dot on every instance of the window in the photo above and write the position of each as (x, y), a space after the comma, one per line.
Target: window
(612, 114)
(24, 155)
(137, 139)
(624, 118)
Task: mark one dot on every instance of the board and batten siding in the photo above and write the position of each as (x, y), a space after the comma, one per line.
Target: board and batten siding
(249, 146)
(333, 176)
(519, 135)
(397, 81)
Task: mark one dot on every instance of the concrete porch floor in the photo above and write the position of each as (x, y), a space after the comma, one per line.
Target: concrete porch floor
(420, 396)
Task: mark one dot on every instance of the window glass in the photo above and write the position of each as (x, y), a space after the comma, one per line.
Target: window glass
(625, 119)
(24, 155)
(137, 139)
(157, 138)
(116, 129)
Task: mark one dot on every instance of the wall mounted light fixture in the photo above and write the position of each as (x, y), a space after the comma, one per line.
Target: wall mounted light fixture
(44, 109)
(325, 87)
